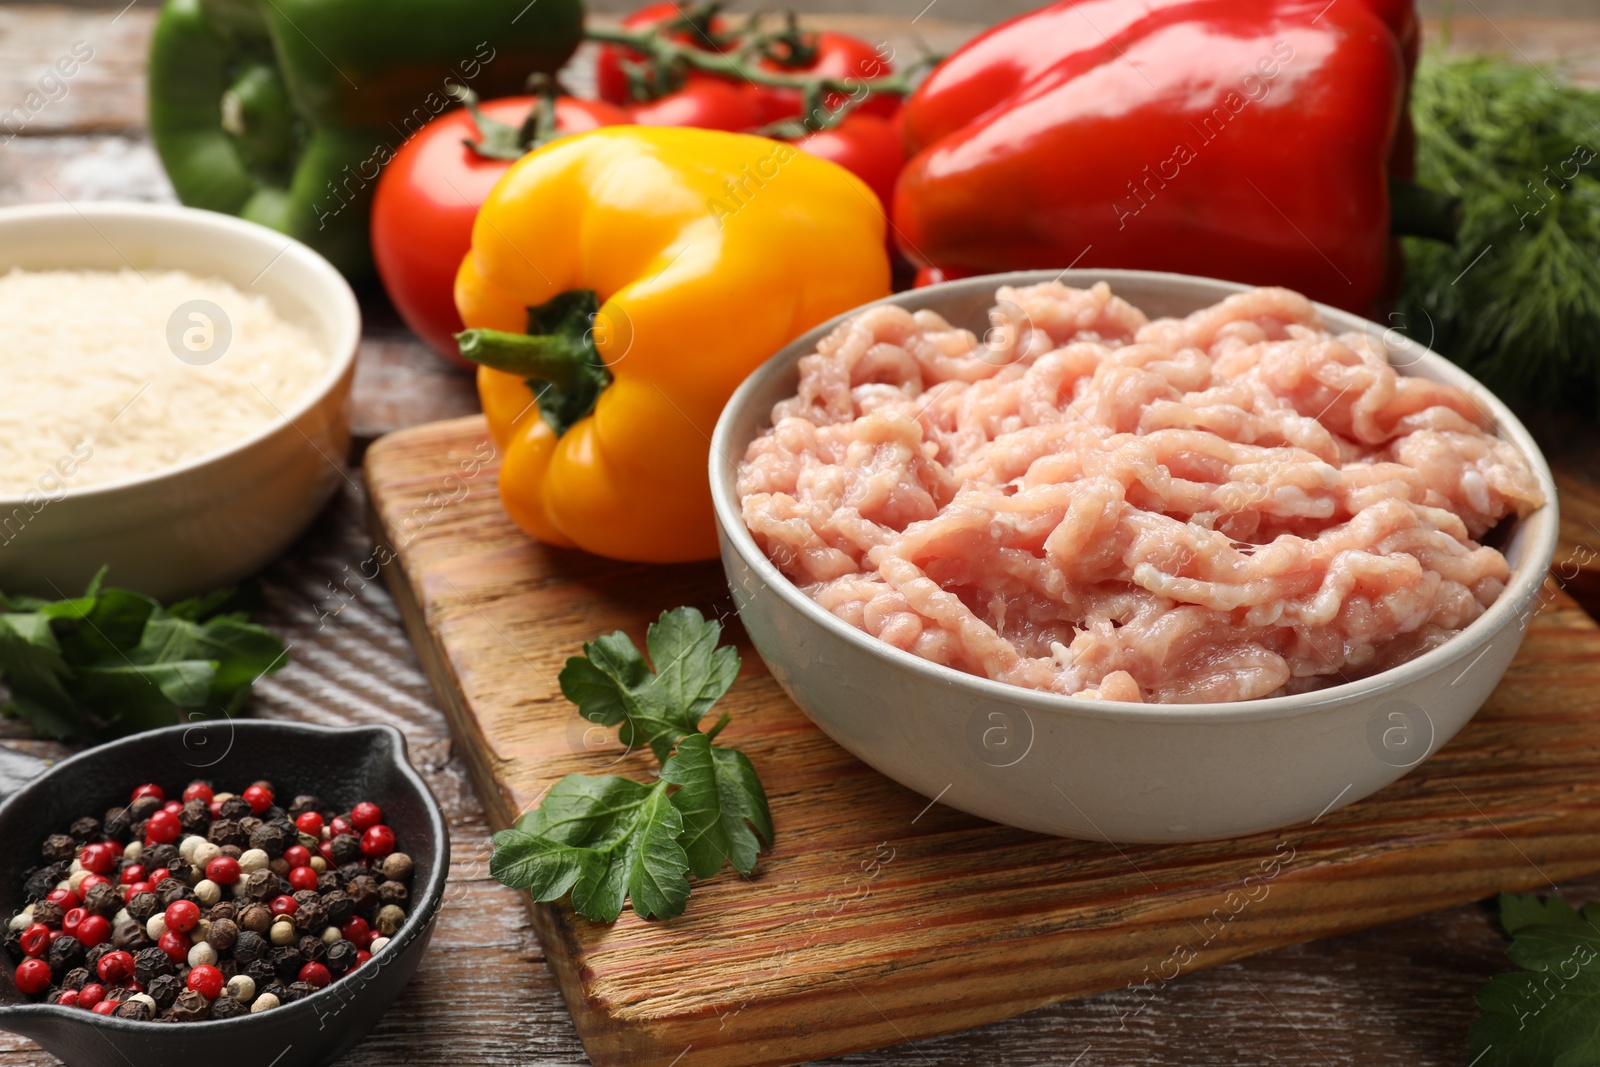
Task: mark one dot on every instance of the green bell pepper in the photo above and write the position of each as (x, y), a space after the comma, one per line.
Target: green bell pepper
(285, 111)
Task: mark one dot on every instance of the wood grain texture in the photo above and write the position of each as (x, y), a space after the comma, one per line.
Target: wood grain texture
(878, 916)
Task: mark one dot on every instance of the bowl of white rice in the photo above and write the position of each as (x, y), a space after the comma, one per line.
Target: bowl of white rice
(176, 396)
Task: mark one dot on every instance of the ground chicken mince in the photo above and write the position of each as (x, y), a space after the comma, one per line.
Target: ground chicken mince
(1234, 505)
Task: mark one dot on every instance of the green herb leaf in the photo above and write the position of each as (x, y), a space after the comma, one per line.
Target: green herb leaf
(1543, 1015)
(606, 839)
(613, 686)
(725, 815)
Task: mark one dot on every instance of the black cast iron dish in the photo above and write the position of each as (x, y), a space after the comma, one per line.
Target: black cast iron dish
(340, 765)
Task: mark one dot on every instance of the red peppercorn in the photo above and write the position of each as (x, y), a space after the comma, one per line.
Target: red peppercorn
(159, 875)
(173, 806)
(116, 848)
(106, 1007)
(309, 822)
(133, 872)
(259, 798)
(315, 974)
(65, 897)
(93, 930)
(33, 976)
(114, 966)
(34, 940)
(91, 994)
(67, 998)
(377, 842)
(362, 956)
(303, 878)
(340, 825)
(131, 891)
(283, 905)
(181, 915)
(224, 870)
(197, 791)
(216, 809)
(70, 921)
(176, 946)
(356, 931)
(206, 980)
(162, 829)
(297, 856)
(325, 850)
(89, 881)
(365, 815)
(97, 858)
(149, 790)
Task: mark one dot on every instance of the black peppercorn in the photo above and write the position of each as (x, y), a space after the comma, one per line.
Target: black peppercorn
(261, 973)
(159, 856)
(271, 840)
(129, 935)
(103, 899)
(164, 989)
(48, 912)
(348, 871)
(66, 954)
(58, 847)
(346, 848)
(235, 808)
(257, 917)
(86, 829)
(169, 890)
(14, 944)
(363, 890)
(76, 978)
(195, 816)
(190, 1006)
(262, 885)
(229, 967)
(227, 832)
(92, 956)
(309, 918)
(249, 824)
(223, 935)
(143, 905)
(339, 906)
(303, 803)
(298, 991)
(249, 946)
(285, 961)
(312, 949)
(150, 964)
(182, 871)
(134, 1009)
(274, 987)
(233, 852)
(40, 882)
(393, 893)
(327, 882)
(223, 909)
(225, 1007)
(118, 824)
(341, 956)
(143, 808)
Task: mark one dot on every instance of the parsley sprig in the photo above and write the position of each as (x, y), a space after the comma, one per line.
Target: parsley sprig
(607, 839)
(113, 661)
(1545, 1014)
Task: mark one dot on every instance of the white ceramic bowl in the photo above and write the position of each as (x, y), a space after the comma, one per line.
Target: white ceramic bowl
(214, 520)
(1103, 770)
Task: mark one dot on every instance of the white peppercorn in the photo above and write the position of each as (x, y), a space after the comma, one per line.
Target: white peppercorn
(156, 926)
(283, 932)
(265, 1002)
(202, 954)
(204, 853)
(207, 892)
(146, 998)
(252, 860)
(242, 987)
(390, 918)
(22, 920)
(378, 945)
(330, 935)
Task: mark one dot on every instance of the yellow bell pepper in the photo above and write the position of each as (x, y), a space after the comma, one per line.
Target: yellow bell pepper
(621, 284)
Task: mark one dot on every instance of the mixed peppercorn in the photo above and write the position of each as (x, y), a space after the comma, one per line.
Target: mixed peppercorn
(207, 907)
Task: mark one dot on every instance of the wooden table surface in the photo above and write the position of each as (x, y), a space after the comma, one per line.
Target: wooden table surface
(1400, 994)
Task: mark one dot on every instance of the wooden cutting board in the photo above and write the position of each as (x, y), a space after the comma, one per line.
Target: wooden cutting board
(880, 916)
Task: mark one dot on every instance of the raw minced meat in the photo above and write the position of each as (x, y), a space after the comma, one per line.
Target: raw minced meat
(1232, 505)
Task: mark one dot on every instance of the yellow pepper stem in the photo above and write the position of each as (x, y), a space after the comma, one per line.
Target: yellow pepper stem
(557, 356)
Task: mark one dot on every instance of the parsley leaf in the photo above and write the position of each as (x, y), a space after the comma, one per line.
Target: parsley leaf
(605, 839)
(1544, 1015)
(612, 685)
(609, 840)
(113, 661)
(724, 807)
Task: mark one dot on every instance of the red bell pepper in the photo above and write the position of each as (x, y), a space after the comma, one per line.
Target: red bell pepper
(1242, 139)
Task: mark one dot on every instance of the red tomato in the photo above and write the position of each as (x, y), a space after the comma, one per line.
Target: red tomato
(427, 198)
(611, 81)
(710, 103)
(838, 55)
(864, 145)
